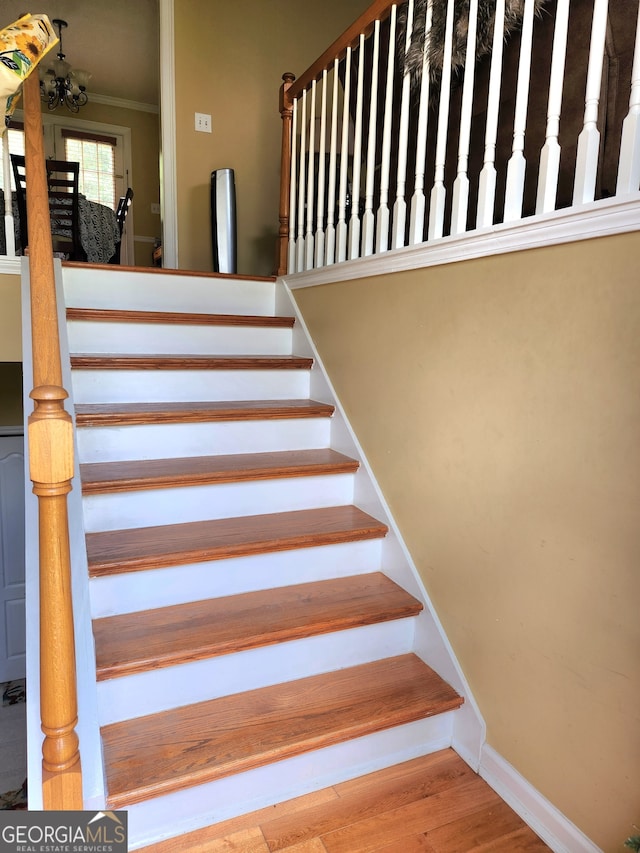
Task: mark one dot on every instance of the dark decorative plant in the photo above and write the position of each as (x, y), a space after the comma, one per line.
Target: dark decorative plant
(633, 842)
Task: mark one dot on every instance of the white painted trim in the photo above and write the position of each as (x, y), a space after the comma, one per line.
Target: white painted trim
(598, 219)
(123, 103)
(9, 266)
(543, 817)
(168, 183)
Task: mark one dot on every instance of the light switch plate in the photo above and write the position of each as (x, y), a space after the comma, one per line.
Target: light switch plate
(203, 122)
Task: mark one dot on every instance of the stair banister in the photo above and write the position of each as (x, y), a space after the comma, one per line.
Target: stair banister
(290, 90)
(51, 470)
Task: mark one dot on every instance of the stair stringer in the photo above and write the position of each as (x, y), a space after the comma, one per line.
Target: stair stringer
(431, 642)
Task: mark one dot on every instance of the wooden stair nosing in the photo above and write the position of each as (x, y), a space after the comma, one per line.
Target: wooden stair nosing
(111, 477)
(136, 414)
(188, 361)
(117, 315)
(119, 551)
(142, 641)
(194, 744)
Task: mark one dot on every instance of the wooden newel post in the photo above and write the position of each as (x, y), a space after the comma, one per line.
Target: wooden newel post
(51, 470)
(286, 112)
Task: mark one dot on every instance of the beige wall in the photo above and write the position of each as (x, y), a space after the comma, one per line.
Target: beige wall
(498, 402)
(10, 318)
(230, 58)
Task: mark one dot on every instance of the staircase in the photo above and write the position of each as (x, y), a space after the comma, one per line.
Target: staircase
(259, 629)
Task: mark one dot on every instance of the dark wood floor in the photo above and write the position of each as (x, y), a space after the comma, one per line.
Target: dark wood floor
(435, 804)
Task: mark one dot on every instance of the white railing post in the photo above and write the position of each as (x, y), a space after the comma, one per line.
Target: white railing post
(400, 205)
(319, 238)
(439, 192)
(330, 247)
(368, 219)
(9, 232)
(516, 168)
(460, 200)
(550, 154)
(341, 230)
(311, 174)
(354, 220)
(293, 189)
(382, 227)
(302, 183)
(418, 201)
(584, 188)
(629, 164)
(487, 182)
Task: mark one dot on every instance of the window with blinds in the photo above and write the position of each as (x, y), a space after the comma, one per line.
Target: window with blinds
(96, 155)
(15, 135)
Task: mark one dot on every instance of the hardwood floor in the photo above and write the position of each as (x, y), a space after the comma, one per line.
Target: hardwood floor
(435, 804)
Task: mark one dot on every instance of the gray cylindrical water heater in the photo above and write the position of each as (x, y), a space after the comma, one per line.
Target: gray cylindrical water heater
(223, 220)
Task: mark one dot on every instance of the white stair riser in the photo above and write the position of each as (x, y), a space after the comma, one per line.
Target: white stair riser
(133, 591)
(153, 507)
(161, 689)
(176, 339)
(137, 291)
(134, 386)
(163, 441)
(193, 808)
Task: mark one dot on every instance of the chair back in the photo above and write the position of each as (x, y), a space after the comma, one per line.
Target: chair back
(63, 178)
(121, 215)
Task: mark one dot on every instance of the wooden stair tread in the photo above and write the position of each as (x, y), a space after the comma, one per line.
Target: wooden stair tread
(102, 477)
(117, 315)
(137, 642)
(129, 414)
(187, 361)
(187, 746)
(116, 551)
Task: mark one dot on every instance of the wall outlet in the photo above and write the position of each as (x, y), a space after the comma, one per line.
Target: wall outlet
(155, 208)
(203, 122)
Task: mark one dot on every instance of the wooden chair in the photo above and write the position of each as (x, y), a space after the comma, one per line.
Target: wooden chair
(63, 186)
(121, 215)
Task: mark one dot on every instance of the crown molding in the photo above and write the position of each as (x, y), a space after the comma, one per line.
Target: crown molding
(123, 103)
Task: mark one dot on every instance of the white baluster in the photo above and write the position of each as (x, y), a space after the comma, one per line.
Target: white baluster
(331, 186)
(319, 239)
(382, 228)
(9, 233)
(354, 221)
(487, 183)
(311, 174)
(291, 265)
(516, 168)
(341, 230)
(400, 205)
(438, 192)
(550, 154)
(368, 219)
(629, 168)
(302, 184)
(584, 188)
(418, 202)
(460, 200)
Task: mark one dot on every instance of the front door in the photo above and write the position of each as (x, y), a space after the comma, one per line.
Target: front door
(12, 619)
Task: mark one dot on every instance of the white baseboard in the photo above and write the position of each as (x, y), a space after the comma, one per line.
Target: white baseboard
(542, 816)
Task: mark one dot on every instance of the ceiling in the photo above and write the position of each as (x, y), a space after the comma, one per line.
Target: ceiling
(116, 40)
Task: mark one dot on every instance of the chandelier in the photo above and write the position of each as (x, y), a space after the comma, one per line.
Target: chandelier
(61, 84)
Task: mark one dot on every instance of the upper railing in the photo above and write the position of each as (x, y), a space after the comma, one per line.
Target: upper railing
(417, 124)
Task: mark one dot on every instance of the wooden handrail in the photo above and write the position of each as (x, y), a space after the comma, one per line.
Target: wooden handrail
(377, 11)
(292, 88)
(51, 471)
